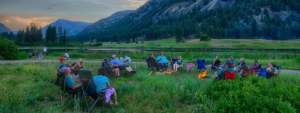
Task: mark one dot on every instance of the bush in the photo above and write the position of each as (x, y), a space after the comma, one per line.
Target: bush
(255, 94)
(205, 38)
(23, 55)
(8, 50)
(297, 60)
(1, 58)
(136, 42)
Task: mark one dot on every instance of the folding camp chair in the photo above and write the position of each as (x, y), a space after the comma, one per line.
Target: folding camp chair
(214, 67)
(108, 70)
(201, 64)
(64, 89)
(149, 64)
(263, 72)
(190, 67)
(173, 61)
(229, 75)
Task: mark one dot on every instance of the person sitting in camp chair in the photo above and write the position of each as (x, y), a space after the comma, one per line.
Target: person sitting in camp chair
(221, 74)
(101, 83)
(241, 64)
(117, 64)
(216, 65)
(162, 61)
(230, 59)
(244, 72)
(62, 64)
(152, 62)
(271, 70)
(79, 62)
(178, 64)
(110, 68)
(73, 85)
(74, 75)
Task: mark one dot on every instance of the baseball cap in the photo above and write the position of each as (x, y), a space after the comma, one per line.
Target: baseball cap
(114, 56)
(62, 58)
(255, 61)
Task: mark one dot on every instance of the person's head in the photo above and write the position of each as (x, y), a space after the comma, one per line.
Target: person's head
(66, 52)
(106, 60)
(245, 68)
(80, 61)
(77, 66)
(161, 54)
(114, 57)
(230, 58)
(217, 58)
(62, 60)
(150, 55)
(229, 65)
(101, 71)
(270, 65)
(65, 71)
(179, 58)
(242, 60)
(255, 62)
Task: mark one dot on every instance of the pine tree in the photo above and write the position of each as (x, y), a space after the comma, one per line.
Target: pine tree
(27, 35)
(48, 34)
(60, 33)
(178, 35)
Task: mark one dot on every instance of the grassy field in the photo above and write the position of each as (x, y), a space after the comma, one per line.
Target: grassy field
(30, 88)
(214, 43)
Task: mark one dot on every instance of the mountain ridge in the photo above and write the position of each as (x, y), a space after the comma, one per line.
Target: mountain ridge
(3, 28)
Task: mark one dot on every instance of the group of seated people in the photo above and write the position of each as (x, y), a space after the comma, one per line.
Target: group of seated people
(115, 66)
(161, 62)
(241, 67)
(95, 86)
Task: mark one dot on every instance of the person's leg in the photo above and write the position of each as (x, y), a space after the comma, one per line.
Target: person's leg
(166, 65)
(115, 71)
(115, 100)
(161, 65)
(174, 67)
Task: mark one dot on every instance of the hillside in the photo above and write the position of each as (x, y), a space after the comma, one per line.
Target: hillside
(3, 28)
(221, 19)
(73, 27)
(103, 23)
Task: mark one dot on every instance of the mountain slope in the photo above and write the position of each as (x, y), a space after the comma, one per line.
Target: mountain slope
(3, 28)
(73, 27)
(102, 23)
(158, 19)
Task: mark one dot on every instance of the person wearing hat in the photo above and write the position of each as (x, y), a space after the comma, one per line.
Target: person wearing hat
(117, 64)
(255, 66)
(73, 85)
(230, 59)
(107, 65)
(228, 67)
(62, 62)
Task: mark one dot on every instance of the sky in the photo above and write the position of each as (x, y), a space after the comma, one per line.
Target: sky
(17, 14)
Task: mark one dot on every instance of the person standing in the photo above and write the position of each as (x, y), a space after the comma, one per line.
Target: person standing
(162, 61)
(40, 56)
(67, 56)
(30, 54)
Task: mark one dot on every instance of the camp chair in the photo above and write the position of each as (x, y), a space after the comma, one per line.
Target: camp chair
(190, 67)
(263, 72)
(278, 68)
(201, 64)
(149, 64)
(108, 70)
(229, 75)
(213, 67)
(173, 61)
(64, 89)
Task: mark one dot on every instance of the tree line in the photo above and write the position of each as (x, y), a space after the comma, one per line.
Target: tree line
(245, 19)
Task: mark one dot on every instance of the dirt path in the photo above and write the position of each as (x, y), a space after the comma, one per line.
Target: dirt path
(32, 61)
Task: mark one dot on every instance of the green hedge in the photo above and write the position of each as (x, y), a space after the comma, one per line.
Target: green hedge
(8, 50)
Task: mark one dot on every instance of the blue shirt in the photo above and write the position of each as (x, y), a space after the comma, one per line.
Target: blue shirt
(70, 83)
(232, 62)
(92, 88)
(115, 62)
(100, 82)
(240, 64)
(163, 60)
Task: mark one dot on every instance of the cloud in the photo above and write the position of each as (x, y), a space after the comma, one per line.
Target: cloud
(48, 8)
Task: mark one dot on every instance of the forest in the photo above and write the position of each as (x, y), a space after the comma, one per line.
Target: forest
(245, 19)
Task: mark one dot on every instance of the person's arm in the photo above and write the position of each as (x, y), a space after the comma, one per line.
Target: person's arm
(158, 58)
(181, 64)
(108, 85)
(76, 86)
(276, 71)
(77, 81)
(241, 73)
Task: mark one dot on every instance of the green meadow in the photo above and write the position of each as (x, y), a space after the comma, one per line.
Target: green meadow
(214, 43)
(30, 87)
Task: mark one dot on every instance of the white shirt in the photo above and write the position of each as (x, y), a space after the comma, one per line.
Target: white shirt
(66, 54)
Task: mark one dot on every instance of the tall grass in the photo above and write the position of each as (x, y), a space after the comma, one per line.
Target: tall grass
(30, 88)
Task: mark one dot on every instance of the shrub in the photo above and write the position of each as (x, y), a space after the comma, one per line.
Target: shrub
(136, 42)
(23, 55)
(205, 38)
(8, 50)
(297, 60)
(1, 58)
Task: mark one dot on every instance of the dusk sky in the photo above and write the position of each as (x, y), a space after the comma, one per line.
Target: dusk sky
(17, 14)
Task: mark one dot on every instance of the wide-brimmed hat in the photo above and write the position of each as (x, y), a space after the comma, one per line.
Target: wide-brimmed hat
(229, 65)
(255, 61)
